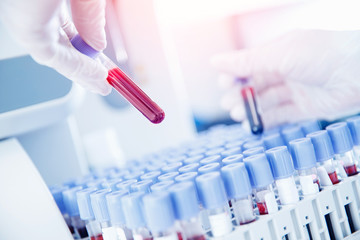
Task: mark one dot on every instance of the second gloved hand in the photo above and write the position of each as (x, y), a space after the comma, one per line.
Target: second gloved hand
(304, 74)
(43, 28)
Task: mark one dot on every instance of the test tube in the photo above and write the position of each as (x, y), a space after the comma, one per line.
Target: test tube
(303, 155)
(261, 180)
(184, 198)
(213, 198)
(193, 167)
(238, 189)
(210, 159)
(253, 151)
(159, 215)
(72, 208)
(248, 96)
(232, 159)
(101, 213)
(122, 83)
(134, 217)
(151, 176)
(172, 167)
(116, 214)
(354, 126)
(168, 176)
(231, 151)
(273, 140)
(283, 172)
(343, 146)
(161, 186)
(324, 155)
(142, 186)
(291, 133)
(86, 213)
(211, 167)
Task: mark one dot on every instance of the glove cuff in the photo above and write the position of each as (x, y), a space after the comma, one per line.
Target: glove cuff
(83, 47)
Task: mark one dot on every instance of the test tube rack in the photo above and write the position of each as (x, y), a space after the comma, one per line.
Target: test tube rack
(333, 213)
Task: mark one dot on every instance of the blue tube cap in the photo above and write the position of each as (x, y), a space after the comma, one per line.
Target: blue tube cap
(194, 159)
(232, 159)
(236, 180)
(172, 167)
(189, 176)
(142, 186)
(84, 203)
(252, 144)
(280, 162)
(114, 204)
(151, 176)
(159, 212)
(273, 140)
(70, 201)
(161, 186)
(185, 202)
(126, 185)
(215, 151)
(133, 210)
(259, 170)
(211, 167)
(302, 153)
(193, 167)
(340, 137)
(354, 126)
(310, 126)
(291, 133)
(232, 144)
(322, 145)
(134, 175)
(231, 151)
(211, 190)
(168, 176)
(253, 151)
(99, 205)
(211, 159)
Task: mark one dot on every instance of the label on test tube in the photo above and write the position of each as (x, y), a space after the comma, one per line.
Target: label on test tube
(173, 236)
(288, 193)
(220, 224)
(270, 202)
(243, 211)
(307, 185)
(109, 233)
(324, 176)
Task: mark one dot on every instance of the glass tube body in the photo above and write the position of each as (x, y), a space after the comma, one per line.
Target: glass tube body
(265, 200)
(192, 229)
(347, 160)
(309, 181)
(220, 221)
(243, 210)
(330, 169)
(287, 191)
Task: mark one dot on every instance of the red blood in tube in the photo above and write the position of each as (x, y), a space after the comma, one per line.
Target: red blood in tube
(252, 113)
(351, 170)
(129, 90)
(200, 237)
(180, 237)
(333, 177)
(262, 208)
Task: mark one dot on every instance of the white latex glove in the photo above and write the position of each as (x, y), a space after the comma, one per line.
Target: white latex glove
(43, 28)
(304, 74)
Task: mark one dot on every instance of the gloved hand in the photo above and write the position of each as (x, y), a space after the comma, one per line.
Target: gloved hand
(304, 74)
(43, 28)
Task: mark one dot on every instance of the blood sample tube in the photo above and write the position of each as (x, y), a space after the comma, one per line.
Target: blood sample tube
(253, 151)
(185, 202)
(111, 184)
(134, 217)
(251, 144)
(151, 176)
(58, 197)
(134, 175)
(101, 213)
(248, 95)
(159, 215)
(303, 155)
(142, 186)
(210, 159)
(231, 151)
(239, 194)
(193, 167)
(324, 155)
(122, 83)
(126, 185)
(283, 172)
(261, 180)
(213, 198)
(273, 140)
(86, 213)
(161, 186)
(72, 208)
(172, 167)
(343, 146)
(291, 133)
(354, 126)
(117, 215)
(214, 151)
(310, 126)
(232, 159)
(211, 167)
(194, 159)
(168, 176)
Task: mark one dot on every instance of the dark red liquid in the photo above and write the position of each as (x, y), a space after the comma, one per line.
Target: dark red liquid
(129, 90)
(82, 232)
(333, 177)
(252, 114)
(317, 182)
(230, 204)
(262, 208)
(180, 237)
(200, 237)
(98, 237)
(351, 170)
(71, 228)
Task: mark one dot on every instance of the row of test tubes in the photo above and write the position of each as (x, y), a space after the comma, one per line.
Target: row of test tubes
(206, 188)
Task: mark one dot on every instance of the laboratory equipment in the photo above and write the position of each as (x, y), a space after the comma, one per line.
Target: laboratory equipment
(126, 185)
(161, 186)
(290, 133)
(283, 172)
(231, 151)
(153, 175)
(310, 126)
(232, 159)
(122, 83)
(168, 176)
(253, 151)
(261, 180)
(142, 186)
(211, 167)
(252, 113)
(303, 155)
(210, 159)
(273, 140)
(238, 189)
(213, 197)
(193, 167)
(185, 202)
(343, 146)
(324, 154)
(354, 126)
(159, 215)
